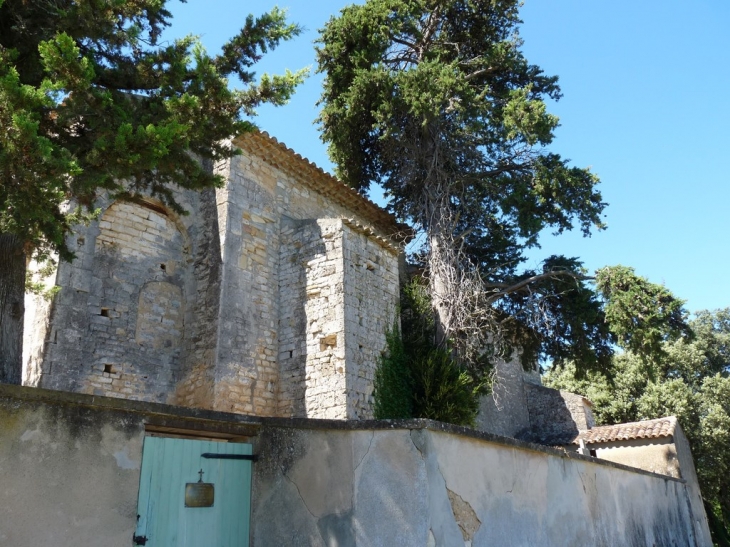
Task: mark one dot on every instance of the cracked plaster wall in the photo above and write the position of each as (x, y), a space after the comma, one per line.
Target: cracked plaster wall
(421, 487)
(70, 467)
(70, 474)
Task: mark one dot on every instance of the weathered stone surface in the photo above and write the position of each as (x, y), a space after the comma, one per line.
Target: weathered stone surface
(270, 298)
(504, 411)
(465, 516)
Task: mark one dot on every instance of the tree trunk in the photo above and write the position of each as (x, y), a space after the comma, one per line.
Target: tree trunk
(12, 294)
(440, 259)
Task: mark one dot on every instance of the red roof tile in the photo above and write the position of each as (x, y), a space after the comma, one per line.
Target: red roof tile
(646, 429)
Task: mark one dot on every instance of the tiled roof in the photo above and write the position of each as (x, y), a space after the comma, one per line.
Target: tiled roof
(281, 156)
(646, 429)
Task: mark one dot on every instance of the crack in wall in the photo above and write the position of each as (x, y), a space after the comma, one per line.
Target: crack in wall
(419, 433)
(370, 444)
(299, 492)
(354, 471)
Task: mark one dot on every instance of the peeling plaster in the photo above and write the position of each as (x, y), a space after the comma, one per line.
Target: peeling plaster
(465, 516)
(30, 435)
(123, 459)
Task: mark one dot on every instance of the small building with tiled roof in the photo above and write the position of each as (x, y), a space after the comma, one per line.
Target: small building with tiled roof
(270, 298)
(659, 428)
(657, 445)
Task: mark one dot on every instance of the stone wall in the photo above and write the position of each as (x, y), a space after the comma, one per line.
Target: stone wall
(255, 374)
(520, 407)
(428, 485)
(187, 309)
(556, 416)
(129, 314)
(504, 411)
(311, 337)
(70, 465)
(328, 347)
(371, 296)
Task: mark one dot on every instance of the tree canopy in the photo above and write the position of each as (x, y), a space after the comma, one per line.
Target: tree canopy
(91, 100)
(690, 381)
(435, 101)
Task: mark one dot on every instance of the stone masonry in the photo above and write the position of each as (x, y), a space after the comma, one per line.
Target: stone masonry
(271, 297)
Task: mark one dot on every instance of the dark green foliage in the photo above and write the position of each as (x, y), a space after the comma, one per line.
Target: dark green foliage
(691, 380)
(436, 102)
(570, 324)
(640, 314)
(442, 390)
(89, 98)
(718, 529)
(393, 384)
(416, 90)
(415, 379)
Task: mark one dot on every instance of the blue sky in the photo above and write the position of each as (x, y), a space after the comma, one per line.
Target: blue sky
(645, 105)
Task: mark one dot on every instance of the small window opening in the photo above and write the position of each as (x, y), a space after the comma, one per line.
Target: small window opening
(291, 354)
(104, 312)
(592, 452)
(108, 369)
(163, 267)
(80, 241)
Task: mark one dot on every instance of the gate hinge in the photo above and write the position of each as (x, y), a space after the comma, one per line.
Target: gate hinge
(211, 455)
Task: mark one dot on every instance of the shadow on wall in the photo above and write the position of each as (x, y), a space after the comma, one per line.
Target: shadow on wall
(308, 324)
(122, 324)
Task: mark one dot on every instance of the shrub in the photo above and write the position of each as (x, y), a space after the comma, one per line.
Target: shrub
(393, 385)
(442, 390)
(416, 379)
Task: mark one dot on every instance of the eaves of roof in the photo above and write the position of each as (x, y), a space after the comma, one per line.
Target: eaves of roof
(278, 155)
(645, 429)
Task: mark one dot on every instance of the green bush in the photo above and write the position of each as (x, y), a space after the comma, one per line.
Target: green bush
(416, 379)
(393, 384)
(443, 391)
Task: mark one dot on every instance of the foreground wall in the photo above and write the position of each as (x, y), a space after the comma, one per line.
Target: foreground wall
(70, 468)
(428, 487)
(70, 463)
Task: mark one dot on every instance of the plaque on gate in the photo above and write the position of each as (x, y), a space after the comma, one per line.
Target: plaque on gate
(199, 494)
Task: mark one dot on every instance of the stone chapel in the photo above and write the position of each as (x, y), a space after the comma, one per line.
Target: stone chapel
(270, 298)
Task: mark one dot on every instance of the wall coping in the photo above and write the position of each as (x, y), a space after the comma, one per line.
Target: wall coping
(164, 413)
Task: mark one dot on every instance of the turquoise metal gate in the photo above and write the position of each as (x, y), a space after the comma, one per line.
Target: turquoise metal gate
(194, 494)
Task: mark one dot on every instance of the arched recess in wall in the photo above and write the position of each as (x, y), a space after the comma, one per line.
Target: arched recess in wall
(140, 268)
